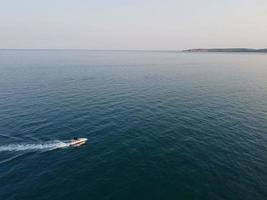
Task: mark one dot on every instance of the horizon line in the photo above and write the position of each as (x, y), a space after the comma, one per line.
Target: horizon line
(140, 50)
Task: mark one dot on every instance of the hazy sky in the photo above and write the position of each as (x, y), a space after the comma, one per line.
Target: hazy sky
(133, 24)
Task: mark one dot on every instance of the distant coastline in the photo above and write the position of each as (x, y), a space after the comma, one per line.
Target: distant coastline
(231, 50)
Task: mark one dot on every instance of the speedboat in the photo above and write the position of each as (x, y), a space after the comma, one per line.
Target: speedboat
(75, 142)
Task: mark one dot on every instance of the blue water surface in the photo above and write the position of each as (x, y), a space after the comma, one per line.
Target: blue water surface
(160, 125)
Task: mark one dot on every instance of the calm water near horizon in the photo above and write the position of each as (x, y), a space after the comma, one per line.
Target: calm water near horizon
(160, 125)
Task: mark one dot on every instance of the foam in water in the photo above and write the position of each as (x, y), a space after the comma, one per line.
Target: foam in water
(35, 147)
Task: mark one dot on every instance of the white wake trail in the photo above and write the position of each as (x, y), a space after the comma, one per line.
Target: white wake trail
(46, 146)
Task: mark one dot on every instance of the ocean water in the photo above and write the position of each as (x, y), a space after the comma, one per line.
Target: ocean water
(160, 125)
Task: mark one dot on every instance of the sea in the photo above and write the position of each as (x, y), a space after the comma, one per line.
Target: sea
(161, 125)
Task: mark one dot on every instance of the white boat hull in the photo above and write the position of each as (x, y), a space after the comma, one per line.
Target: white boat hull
(78, 142)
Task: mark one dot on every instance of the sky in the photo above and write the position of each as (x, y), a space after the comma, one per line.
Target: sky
(133, 24)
